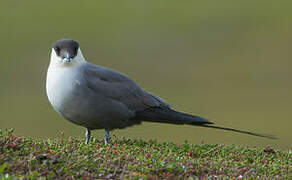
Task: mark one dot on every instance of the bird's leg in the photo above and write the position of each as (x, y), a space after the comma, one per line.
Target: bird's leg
(106, 136)
(87, 135)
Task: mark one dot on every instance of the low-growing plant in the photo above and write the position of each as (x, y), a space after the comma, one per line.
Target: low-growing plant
(71, 158)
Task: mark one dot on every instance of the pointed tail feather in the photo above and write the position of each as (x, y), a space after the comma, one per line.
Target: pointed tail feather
(241, 131)
(174, 117)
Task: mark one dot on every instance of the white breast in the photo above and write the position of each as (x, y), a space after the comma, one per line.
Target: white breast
(60, 84)
(54, 87)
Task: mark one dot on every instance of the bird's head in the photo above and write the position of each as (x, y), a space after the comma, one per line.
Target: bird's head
(66, 52)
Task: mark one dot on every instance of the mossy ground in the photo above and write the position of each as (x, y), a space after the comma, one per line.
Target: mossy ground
(70, 158)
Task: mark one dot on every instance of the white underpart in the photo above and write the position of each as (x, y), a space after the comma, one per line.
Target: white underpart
(59, 68)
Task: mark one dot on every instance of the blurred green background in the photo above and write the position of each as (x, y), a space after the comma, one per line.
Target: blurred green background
(229, 61)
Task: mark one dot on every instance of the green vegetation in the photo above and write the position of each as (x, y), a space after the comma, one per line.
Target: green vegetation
(62, 158)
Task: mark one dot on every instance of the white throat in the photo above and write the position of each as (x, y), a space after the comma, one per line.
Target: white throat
(57, 61)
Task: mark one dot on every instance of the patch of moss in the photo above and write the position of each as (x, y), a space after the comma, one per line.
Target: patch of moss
(62, 158)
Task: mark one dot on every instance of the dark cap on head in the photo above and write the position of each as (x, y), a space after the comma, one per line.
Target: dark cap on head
(66, 48)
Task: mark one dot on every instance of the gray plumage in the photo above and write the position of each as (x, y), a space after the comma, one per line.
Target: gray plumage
(99, 98)
(96, 97)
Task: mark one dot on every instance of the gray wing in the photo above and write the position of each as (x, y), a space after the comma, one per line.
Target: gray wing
(117, 86)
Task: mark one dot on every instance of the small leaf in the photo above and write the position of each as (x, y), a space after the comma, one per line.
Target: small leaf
(2, 167)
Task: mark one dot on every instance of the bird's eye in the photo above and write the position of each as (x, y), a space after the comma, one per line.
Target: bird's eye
(57, 49)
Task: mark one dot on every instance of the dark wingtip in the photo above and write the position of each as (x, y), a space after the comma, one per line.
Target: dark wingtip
(199, 121)
(209, 122)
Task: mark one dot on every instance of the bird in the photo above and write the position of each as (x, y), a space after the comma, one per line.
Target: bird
(98, 97)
